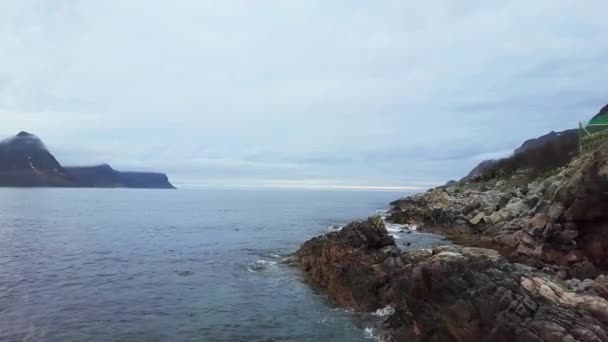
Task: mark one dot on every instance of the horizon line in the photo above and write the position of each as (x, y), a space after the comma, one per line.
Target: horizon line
(307, 186)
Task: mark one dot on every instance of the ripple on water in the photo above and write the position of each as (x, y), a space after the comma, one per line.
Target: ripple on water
(113, 265)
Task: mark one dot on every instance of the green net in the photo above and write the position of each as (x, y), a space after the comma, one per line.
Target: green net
(599, 120)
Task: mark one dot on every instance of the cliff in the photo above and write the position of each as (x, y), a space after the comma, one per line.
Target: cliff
(104, 176)
(25, 161)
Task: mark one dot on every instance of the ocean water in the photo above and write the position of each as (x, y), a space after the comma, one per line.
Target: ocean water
(185, 265)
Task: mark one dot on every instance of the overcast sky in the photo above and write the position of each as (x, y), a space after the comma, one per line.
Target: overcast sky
(298, 92)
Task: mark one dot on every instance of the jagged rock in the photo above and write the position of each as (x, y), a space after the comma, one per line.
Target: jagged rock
(449, 293)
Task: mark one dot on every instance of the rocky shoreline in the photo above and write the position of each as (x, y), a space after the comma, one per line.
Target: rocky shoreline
(559, 222)
(530, 262)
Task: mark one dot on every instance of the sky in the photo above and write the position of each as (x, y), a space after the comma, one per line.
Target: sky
(298, 93)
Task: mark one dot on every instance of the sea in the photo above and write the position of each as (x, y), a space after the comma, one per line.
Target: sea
(175, 265)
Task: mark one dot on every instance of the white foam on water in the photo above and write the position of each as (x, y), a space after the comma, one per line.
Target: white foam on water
(334, 228)
(369, 333)
(395, 228)
(384, 312)
(261, 265)
(383, 213)
(372, 334)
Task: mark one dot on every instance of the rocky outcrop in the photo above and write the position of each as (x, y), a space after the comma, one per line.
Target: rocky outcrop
(451, 293)
(347, 263)
(26, 162)
(559, 221)
(532, 260)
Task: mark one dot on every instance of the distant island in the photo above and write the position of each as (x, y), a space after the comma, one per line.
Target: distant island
(26, 162)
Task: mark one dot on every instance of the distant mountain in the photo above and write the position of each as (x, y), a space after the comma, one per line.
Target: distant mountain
(26, 162)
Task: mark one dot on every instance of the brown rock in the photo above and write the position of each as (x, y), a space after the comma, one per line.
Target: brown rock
(449, 293)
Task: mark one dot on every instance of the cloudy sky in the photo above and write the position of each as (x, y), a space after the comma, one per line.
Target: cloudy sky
(298, 92)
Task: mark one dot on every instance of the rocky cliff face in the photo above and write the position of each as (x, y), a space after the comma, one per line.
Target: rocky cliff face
(26, 162)
(559, 221)
(532, 264)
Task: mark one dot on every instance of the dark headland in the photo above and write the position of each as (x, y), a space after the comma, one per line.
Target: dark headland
(530, 261)
(25, 161)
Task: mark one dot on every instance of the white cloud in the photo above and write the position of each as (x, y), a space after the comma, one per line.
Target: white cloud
(254, 86)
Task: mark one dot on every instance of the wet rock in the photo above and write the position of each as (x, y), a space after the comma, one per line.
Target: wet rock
(450, 293)
(348, 263)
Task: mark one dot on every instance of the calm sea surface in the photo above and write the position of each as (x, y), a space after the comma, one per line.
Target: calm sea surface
(185, 265)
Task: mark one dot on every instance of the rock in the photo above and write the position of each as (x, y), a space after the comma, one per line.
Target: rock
(544, 207)
(495, 218)
(601, 286)
(479, 218)
(347, 263)
(563, 218)
(470, 208)
(449, 293)
(586, 284)
(536, 225)
(503, 201)
(532, 201)
(568, 236)
(516, 208)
